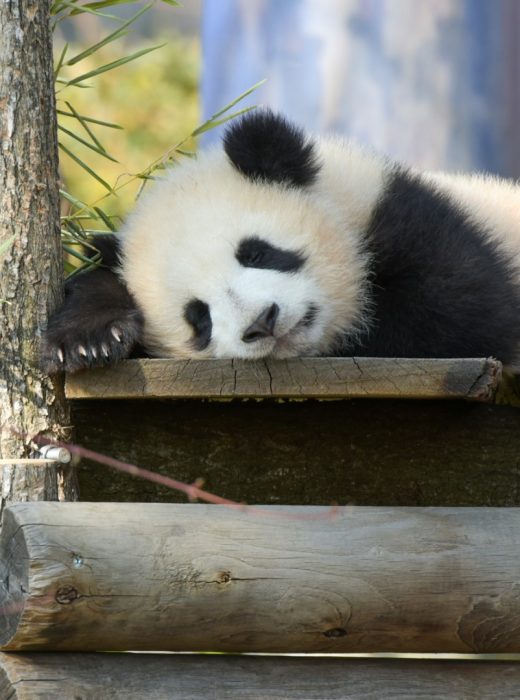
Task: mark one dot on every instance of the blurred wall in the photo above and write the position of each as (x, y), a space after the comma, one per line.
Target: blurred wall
(434, 83)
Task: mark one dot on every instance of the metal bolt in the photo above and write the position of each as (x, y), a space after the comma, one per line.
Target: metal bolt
(77, 561)
(59, 454)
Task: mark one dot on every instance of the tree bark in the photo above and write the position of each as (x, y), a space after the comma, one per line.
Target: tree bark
(30, 269)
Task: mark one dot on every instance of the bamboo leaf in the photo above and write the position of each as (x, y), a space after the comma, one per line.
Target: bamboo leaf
(61, 59)
(105, 3)
(236, 100)
(211, 124)
(84, 258)
(86, 167)
(120, 32)
(66, 83)
(76, 9)
(87, 128)
(78, 204)
(112, 65)
(92, 146)
(82, 118)
(106, 219)
(77, 231)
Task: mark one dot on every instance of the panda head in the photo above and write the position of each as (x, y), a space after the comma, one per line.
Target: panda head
(240, 253)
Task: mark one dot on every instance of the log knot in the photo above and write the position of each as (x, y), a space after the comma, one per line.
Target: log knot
(66, 595)
(335, 632)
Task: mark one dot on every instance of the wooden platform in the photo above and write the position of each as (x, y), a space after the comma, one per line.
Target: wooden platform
(369, 446)
(318, 378)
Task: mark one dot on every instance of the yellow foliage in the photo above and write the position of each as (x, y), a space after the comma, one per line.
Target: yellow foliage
(154, 98)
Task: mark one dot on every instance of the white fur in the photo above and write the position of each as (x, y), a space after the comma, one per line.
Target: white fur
(180, 242)
(490, 201)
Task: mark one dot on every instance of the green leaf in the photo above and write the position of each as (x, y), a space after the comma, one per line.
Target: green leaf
(120, 32)
(87, 128)
(82, 118)
(112, 65)
(77, 231)
(92, 146)
(105, 3)
(236, 100)
(77, 254)
(65, 83)
(86, 167)
(76, 9)
(78, 204)
(61, 59)
(212, 123)
(106, 219)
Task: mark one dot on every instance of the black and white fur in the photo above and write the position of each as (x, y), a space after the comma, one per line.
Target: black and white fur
(279, 245)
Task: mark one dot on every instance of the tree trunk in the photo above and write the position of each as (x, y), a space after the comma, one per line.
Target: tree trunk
(30, 269)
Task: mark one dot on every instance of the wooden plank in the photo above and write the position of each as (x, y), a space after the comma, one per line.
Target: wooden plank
(191, 677)
(377, 452)
(325, 377)
(86, 577)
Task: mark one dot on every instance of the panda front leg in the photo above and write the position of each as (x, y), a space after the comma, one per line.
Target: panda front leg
(98, 324)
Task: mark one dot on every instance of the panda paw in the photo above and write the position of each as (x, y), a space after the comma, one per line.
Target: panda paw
(72, 344)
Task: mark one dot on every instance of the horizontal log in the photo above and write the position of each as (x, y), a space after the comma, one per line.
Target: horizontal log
(324, 377)
(86, 576)
(192, 677)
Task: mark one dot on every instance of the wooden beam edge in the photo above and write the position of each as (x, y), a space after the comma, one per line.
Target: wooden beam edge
(475, 379)
(195, 677)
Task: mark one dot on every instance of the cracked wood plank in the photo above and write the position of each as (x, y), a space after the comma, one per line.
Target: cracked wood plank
(200, 677)
(318, 378)
(191, 577)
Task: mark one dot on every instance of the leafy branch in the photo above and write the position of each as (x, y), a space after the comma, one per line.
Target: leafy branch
(82, 221)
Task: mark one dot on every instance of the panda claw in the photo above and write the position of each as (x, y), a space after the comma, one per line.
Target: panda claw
(61, 356)
(104, 350)
(117, 334)
(82, 351)
(94, 352)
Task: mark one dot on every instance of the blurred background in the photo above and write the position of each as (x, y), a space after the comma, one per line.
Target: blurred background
(432, 83)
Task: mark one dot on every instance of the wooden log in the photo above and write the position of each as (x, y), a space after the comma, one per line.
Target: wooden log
(322, 377)
(198, 677)
(85, 577)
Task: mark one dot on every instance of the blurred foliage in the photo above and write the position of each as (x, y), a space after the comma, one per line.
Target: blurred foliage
(155, 99)
(111, 82)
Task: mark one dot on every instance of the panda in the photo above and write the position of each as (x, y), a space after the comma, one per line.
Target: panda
(278, 244)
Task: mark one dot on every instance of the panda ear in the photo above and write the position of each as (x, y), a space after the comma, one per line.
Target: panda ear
(265, 146)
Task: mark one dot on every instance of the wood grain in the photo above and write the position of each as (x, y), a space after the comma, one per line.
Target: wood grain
(86, 577)
(358, 452)
(324, 377)
(191, 677)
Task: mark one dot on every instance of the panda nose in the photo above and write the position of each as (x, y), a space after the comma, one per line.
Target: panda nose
(263, 325)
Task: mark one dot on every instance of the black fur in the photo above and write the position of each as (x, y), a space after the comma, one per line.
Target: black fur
(99, 322)
(440, 288)
(197, 314)
(264, 146)
(257, 253)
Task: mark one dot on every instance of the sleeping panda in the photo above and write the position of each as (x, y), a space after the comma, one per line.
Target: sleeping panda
(281, 245)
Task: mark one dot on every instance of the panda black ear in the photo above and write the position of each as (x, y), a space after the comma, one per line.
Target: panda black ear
(265, 146)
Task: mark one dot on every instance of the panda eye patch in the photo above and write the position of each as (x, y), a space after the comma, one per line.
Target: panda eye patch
(254, 252)
(197, 314)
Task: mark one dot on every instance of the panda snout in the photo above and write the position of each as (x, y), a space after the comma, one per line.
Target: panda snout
(263, 325)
